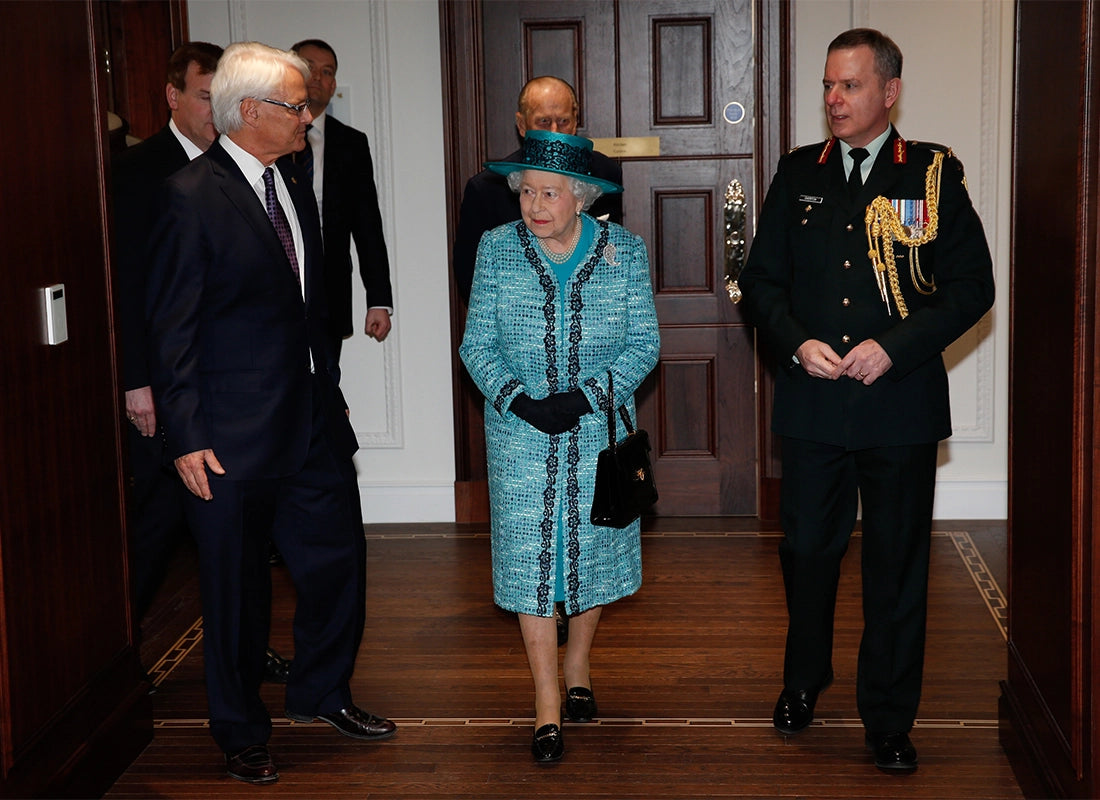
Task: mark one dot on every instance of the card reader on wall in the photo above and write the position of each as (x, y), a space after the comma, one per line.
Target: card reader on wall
(57, 326)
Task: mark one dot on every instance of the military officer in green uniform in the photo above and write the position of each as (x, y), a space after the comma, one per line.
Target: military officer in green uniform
(868, 261)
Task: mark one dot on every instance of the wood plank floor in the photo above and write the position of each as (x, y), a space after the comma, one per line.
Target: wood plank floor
(686, 673)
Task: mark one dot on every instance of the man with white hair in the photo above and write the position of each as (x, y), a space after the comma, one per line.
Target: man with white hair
(245, 377)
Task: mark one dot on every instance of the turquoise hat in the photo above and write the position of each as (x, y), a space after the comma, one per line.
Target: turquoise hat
(562, 153)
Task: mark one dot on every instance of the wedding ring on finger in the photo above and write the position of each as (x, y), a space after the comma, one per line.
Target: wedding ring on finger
(861, 374)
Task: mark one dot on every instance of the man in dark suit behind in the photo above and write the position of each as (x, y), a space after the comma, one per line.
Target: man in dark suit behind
(245, 376)
(545, 103)
(156, 515)
(155, 508)
(339, 162)
(868, 261)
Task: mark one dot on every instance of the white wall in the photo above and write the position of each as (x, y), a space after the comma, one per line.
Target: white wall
(956, 90)
(389, 87)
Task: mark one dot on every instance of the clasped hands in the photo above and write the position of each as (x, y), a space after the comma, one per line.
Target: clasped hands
(866, 362)
(557, 413)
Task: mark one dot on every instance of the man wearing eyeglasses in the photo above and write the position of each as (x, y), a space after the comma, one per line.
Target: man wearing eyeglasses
(338, 159)
(245, 377)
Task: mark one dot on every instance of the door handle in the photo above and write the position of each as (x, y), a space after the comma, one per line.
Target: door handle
(734, 223)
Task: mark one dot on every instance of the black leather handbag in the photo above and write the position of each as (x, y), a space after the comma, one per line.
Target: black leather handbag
(624, 476)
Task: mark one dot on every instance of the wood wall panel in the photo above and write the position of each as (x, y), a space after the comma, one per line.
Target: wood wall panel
(73, 709)
(1052, 693)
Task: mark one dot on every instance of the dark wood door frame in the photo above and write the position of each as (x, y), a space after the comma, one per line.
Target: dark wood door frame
(462, 53)
(1051, 697)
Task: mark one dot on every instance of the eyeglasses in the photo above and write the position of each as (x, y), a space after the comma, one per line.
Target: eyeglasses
(297, 109)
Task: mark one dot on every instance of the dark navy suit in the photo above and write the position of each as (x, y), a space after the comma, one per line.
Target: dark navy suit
(155, 510)
(233, 343)
(809, 276)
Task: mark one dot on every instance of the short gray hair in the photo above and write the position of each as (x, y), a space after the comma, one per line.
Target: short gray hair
(584, 191)
(248, 69)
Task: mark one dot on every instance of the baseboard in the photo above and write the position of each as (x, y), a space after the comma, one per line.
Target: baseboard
(437, 502)
(971, 500)
(408, 502)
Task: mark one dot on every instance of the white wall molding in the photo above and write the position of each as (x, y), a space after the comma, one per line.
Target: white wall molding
(379, 115)
(993, 75)
(971, 500)
(238, 21)
(397, 502)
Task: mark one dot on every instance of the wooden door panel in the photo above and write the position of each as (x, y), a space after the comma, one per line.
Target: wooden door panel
(699, 409)
(677, 207)
(688, 61)
(571, 39)
(73, 712)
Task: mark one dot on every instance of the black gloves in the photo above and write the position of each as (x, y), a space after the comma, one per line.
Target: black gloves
(557, 413)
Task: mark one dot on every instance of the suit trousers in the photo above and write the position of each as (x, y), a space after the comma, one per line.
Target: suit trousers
(156, 518)
(823, 485)
(315, 520)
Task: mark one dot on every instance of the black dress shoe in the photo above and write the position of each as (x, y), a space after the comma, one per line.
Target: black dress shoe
(562, 621)
(252, 765)
(893, 751)
(274, 557)
(548, 745)
(277, 668)
(352, 721)
(794, 710)
(580, 704)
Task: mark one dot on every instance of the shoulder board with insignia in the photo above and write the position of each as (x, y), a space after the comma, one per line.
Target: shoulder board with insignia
(940, 148)
(801, 148)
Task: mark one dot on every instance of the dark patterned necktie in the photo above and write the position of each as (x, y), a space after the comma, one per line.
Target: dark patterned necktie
(304, 159)
(279, 220)
(855, 177)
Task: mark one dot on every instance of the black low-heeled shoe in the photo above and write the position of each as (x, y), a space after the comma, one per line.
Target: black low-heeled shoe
(548, 745)
(580, 704)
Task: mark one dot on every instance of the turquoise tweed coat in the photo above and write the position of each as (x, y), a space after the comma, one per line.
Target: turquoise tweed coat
(524, 334)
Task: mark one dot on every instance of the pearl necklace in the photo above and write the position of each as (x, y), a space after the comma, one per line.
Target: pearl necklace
(561, 258)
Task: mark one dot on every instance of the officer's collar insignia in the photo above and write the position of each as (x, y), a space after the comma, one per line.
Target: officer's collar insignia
(829, 145)
(901, 151)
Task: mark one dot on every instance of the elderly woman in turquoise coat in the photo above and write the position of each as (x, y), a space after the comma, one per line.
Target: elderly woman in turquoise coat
(559, 299)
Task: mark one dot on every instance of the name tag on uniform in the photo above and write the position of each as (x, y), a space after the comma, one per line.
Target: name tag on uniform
(809, 198)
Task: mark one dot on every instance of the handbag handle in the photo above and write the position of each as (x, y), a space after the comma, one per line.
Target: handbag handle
(611, 443)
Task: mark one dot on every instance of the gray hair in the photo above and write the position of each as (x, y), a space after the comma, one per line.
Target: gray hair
(248, 69)
(584, 191)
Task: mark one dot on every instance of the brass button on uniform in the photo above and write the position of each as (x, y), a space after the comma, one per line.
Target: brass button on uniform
(846, 338)
(850, 227)
(805, 221)
(846, 302)
(809, 209)
(847, 265)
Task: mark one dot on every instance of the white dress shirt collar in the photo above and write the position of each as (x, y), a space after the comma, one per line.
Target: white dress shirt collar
(189, 147)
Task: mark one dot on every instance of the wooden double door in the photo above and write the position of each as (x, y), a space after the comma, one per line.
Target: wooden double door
(672, 84)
